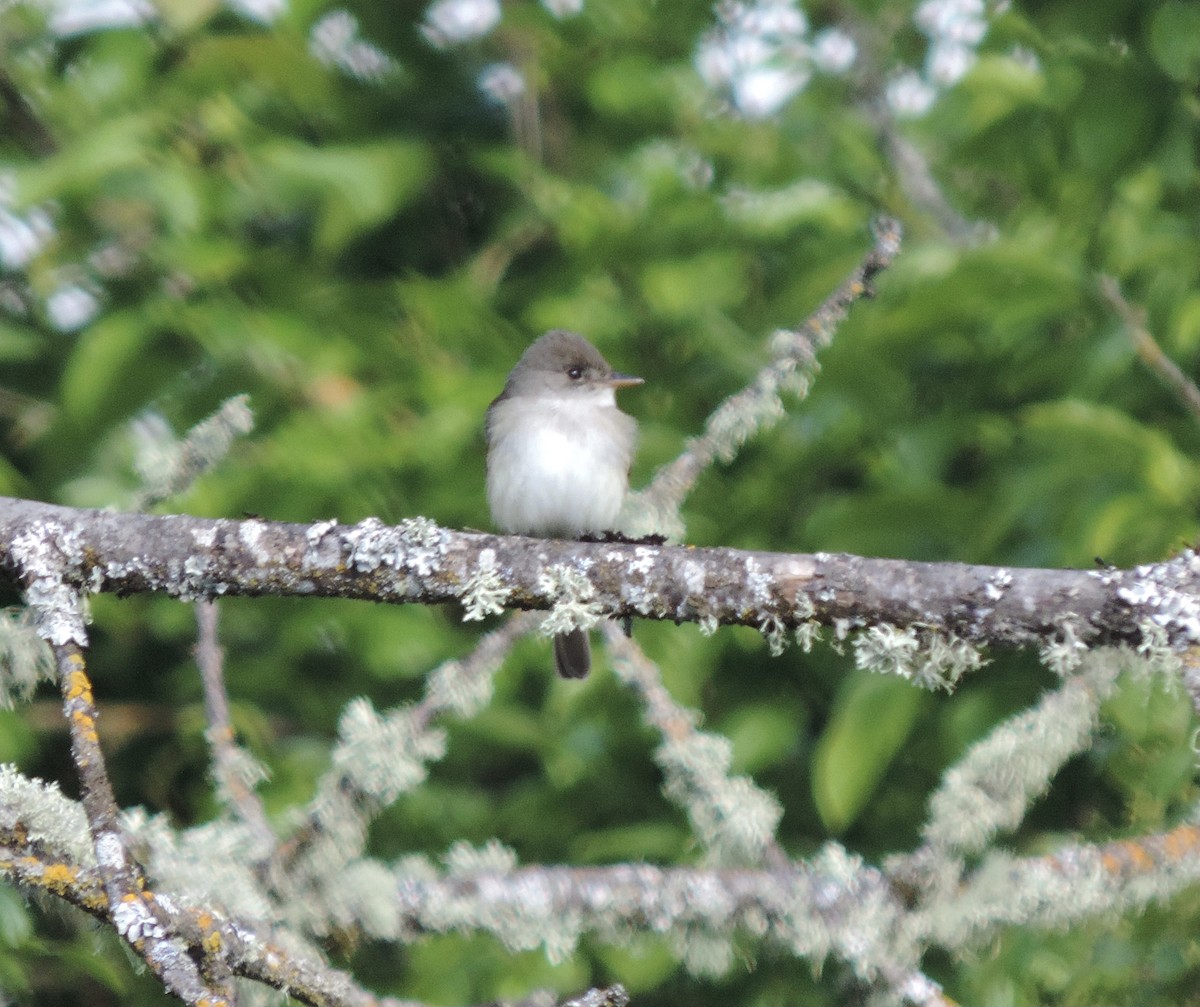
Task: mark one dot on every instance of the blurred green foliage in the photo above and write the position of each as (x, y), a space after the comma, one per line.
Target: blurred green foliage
(367, 258)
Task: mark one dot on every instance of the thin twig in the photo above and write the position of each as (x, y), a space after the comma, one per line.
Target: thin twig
(228, 759)
(1164, 368)
(757, 406)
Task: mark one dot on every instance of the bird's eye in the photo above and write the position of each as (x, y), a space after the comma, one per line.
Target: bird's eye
(575, 372)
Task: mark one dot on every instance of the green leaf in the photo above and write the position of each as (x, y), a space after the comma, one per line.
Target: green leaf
(874, 716)
(84, 167)
(103, 359)
(19, 343)
(689, 288)
(351, 188)
(761, 734)
(1175, 40)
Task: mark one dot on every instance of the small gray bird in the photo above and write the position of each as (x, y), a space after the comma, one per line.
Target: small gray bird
(558, 454)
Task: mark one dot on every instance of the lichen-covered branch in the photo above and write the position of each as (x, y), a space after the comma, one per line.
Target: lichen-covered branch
(168, 466)
(235, 946)
(378, 757)
(733, 817)
(1156, 607)
(44, 567)
(993, 785)
(133, 908)
(1077, 882)
(757, 407)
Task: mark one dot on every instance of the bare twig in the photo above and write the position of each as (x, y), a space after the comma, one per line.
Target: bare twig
(916, 180)
(229, 761)
(1163, 367)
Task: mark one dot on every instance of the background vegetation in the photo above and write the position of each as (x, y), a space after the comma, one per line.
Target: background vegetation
(214, 201)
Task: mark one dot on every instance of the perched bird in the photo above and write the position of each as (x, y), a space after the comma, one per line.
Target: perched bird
(558, 454)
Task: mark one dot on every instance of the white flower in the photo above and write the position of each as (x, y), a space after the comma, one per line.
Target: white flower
(502, 82)
(948, 62)
(262, 11)
(909, 95)
(563, 8)
(74, 17)
(71, 307)
(773, 17)
(834, 51)
(715, 63)
(762, 91)
(335, 41)
(21, 238)
(451, 22)
(957, 20)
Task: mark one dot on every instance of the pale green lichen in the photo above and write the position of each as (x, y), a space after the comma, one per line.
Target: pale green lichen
(704, 954)
(1159, 657)
(485, 592)
(775, 633)
(573, 605)
(45, 814)
(1064, 654)
(927, 658)
(808, 634)
(451, 687)
(384, 756)
(168, 465)
(990, 789)
(731, 815)
(464, 859)
(25, 659)
(887, 650)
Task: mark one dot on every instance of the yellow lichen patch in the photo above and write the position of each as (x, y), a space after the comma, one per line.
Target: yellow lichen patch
(1126, 857)
(1182, 842)
(78, 686)
(211, 941)
(59, 877)
(85, 724)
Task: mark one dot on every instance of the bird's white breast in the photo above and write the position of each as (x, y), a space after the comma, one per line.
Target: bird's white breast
(558, 465)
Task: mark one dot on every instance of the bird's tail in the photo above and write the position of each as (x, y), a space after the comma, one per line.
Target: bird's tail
(572, 655)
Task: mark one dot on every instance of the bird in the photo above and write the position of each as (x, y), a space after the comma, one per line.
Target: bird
(558, 454)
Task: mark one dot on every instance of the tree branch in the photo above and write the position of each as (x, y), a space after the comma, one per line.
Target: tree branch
(1155, 606)
(208, 935)
(132, 908)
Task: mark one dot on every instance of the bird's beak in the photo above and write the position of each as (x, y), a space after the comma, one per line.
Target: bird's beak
(623, 381)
